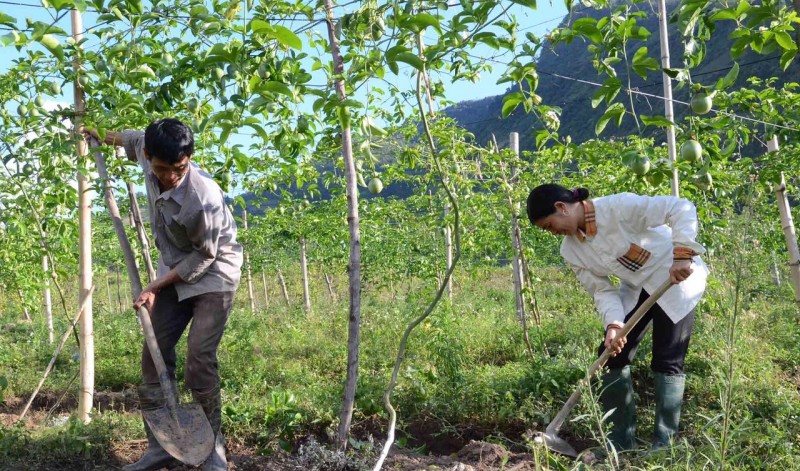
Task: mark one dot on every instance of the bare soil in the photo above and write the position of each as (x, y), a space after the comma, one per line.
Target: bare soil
(447, 448)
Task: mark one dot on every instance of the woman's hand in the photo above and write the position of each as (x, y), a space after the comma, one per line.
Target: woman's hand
(680, 270)
(613, 341)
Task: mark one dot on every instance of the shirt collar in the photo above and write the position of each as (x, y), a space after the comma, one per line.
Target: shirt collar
(589, 221)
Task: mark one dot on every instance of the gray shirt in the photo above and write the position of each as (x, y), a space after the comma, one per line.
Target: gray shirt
(194, 230)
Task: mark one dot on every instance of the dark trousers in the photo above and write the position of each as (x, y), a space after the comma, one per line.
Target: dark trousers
(208, 314)
(670, 340)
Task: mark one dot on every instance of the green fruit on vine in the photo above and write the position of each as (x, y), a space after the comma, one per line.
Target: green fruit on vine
(691, 151)
(34, 113)
(55, 88)
(302, 124)
(377, 28)
(701, 103)
(192, 105)
(281, 210)
(100, 66)
(39, 101)
(83, 81)
(219, 73)
(231, 71)
(641, 166)
(168, 58)
(27, 169)
(22, 110)
(145, 69)
(704, 182)
(375, 185)
(226, 179)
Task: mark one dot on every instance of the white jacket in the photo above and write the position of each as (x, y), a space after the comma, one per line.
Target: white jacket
(646, 229)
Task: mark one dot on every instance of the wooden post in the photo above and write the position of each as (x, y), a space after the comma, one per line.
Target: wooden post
(108, 290)
(48, 303)
(144, 242)
(247, 269)
(86, 327)
(667, 81)
(304, 273)
(264, 282)
(788, 227)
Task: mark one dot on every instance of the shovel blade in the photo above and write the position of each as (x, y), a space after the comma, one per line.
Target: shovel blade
(183, 432)
(555, 443)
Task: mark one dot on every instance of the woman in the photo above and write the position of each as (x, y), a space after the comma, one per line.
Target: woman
(643, 241)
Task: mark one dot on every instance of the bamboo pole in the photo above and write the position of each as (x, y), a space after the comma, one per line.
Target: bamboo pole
(86, 328)
(84, 305)
(516, 266)
(247, 269)
(448, 251)
(48, 303)
(668, 113)
(144, 242)
(25, 310)
(329, 283)
(788, 227)
(304, 273)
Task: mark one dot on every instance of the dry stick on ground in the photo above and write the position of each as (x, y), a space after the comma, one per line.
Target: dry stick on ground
(330, 286)
(247, 272)
(264, 282)
(442, 286)
(24, 305)
(304, 274)
(49, 368)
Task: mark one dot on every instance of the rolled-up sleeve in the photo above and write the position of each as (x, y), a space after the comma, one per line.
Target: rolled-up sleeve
(133, 143)
(203, 227)
(606, 296)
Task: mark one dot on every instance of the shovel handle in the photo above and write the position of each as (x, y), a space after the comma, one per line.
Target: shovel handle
(158, 359)
(558, 421)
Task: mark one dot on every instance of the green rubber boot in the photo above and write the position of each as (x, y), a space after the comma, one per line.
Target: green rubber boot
(617, 395)
(151, 397)
(669, 397)
(211, 402)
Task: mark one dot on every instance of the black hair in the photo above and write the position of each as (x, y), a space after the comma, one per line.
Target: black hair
(169, 140)
(543, 198)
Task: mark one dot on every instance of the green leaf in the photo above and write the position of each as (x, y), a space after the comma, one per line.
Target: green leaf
(642, 62)
(607, 91)
(526, 3)
(52, 44)
(411, 59)
(729, 79)
(725, 14)
(287, 37)
(657, 120)
(785, 41)
(787, 58)
(7, 20)
(276, 87)
(617, 110)
(510, 103)
(588, 27)
(424, 20)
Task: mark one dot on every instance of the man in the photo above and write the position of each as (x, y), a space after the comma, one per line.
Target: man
(198, 271)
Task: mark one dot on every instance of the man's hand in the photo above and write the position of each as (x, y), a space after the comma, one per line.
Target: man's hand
(680, 270)
(612, 341)
(146, 298)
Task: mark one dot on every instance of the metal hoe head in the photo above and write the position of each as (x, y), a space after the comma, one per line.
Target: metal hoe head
(555, 443)
(184, 432)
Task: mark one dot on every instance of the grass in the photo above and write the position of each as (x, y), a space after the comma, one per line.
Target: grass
(467, 373)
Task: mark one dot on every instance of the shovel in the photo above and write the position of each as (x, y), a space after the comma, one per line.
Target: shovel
(181, 429)
(550, 437)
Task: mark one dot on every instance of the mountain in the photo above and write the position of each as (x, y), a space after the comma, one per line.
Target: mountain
(483, 117)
